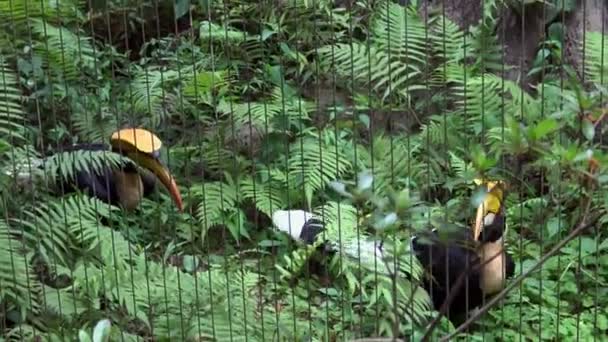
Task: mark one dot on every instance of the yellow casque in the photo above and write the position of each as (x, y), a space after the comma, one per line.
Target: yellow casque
(136, 139)
(143, 147)
(491, 204)
(492, 254)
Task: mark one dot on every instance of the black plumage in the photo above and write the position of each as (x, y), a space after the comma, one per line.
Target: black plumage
(445, 258)
(493, 232)
(313, 227)
(482, 261)
(126, 184)
(474, 255)
(101, 182)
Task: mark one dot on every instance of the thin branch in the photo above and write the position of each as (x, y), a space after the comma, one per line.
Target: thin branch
(573, 234)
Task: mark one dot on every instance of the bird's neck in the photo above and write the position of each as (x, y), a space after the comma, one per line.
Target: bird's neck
(493, 273)
(129, 188)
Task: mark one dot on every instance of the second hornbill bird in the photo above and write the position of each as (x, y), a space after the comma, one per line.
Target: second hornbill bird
(125, 186)
(478, 253)
(306, 227)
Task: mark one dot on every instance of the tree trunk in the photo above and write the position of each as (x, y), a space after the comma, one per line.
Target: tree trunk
(521, 30)
(590, 15)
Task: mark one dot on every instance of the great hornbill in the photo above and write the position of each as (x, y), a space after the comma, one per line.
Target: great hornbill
(478, 253)
(305, 227)
(125, 186)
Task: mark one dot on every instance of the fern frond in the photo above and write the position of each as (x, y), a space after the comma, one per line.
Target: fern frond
(216, 199)
(294, 109)
(17, 12)
(596, 56)
(524, 208)
(460, 166)
(66, 164)
(20, 286)
(294, 263)
(60, 230)
(25, 332)
(257, 114)
(388, 76)
(65, 303)
(12, 116)
(199, 84)
(340, 221)
(280, 110)
(450, 44)
(268, 195)
(413, 302)
(313, 163)
(150, 92)
(67, 54)
(213, 32)
(401, 33)
(485, 48)
(394, 62)
(479, 100)
(392, 161)
(520, 104)
(94, 125)
(22, 163)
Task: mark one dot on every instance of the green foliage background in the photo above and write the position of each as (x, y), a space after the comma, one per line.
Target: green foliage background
(261, 106)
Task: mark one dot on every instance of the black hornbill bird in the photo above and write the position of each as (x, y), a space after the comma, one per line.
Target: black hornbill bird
(305, 227)
(478, 253)
(127, 185)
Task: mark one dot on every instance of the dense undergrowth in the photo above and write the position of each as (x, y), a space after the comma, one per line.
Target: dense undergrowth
(262, 106)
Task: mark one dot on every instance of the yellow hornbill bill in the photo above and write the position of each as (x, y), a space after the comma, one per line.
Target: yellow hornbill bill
(446, 256)
(125, 186)
(489, 229)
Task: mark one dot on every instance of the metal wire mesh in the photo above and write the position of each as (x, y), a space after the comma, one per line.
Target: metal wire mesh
(327, 170)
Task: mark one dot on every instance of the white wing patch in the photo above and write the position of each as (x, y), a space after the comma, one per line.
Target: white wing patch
(489, 219)
(291, 221)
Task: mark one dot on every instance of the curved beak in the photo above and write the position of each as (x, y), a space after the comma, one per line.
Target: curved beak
(481, 213)
(490, 205)
(162, 173)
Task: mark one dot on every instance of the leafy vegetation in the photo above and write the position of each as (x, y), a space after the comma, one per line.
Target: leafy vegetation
(275, 105)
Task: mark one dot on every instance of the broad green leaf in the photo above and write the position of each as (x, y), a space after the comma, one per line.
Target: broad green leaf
(544, 128)
(588, 130)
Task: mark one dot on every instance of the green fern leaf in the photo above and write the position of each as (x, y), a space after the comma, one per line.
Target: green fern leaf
(18, 12)
(66, 164)
(267, 196)
(12, 115)
(150, 94)
(20, 286)
(313, 163)
(216, 200)
(596, 56)
(68, 55)
(340, 221)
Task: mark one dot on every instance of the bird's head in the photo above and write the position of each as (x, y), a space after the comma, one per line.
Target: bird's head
(143, 147)
(490, 220)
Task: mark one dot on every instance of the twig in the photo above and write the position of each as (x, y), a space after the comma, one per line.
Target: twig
(453, 291)
(573, 234)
